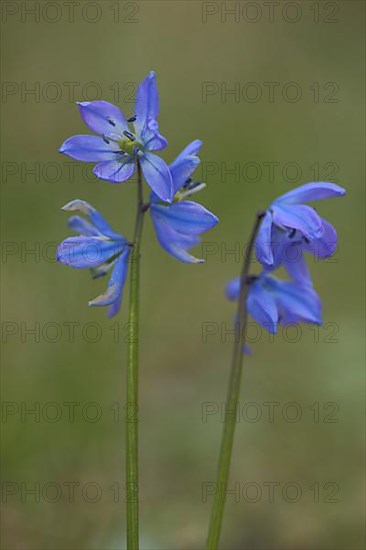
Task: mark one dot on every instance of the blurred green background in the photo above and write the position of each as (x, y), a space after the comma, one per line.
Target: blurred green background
(311, 450)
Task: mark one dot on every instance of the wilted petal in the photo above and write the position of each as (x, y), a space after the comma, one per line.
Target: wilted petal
(300, 217)
(263, 243)
(103, 117)
(158, 176)
(115, 171)
(262, 306)
(311, 192)
(84, 252)
(90, 149)
(186, 217)
(113, 296)
(95, 217)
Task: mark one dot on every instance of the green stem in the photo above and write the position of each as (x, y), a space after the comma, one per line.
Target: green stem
(232, 399)
(132, 488)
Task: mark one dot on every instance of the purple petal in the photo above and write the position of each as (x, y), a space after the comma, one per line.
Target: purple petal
(311, 192)
(86, 252)
(89, 149)
(157, 175)
(300, 217)
(232, 289)
(115, 171)
(186, 216)
(103, 117)
(263, 243)
(147, 104)
(326, 245)
(296, 302)
(294, 261)
(262, 307)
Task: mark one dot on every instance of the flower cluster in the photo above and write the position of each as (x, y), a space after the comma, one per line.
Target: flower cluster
(118, 146)
(288, 229)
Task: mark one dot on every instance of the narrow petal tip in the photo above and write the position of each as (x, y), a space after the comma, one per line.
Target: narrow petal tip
(78, 205)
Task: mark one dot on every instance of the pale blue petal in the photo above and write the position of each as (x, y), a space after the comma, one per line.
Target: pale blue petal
(181, 171)
(173, 242)
(311, 192)
(115, 171)
(83, 227)
(294, 261)
(152, 140)
(296, 302)
(262, 306)
(87, 252)
(147, 104)
(326, 244)
(157, 175)
(113, 296)
(186, 217)
(300, 217)
(90, 149)
(192, 149)
(103, 117)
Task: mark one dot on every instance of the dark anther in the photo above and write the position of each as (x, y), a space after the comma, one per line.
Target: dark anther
(292, 234)
(130, 136)
(111, 121)
(251, 279)
(187, 183)
(191, 184)
(306, 240)
(106, 140)
(132, 119)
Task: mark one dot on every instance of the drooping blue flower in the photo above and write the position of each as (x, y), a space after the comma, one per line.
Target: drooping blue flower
(116, 147)
(272, 301)
(99, 248)
(290, 228)
(178, 225)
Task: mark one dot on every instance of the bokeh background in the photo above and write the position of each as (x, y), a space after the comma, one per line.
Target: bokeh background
(310, 451)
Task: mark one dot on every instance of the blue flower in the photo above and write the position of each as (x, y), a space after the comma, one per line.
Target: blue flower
(178, 225)
(99, 248)
(272, 301)
(290, 228)
(117, 147)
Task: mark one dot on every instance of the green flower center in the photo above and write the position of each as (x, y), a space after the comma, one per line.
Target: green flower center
(129, 144)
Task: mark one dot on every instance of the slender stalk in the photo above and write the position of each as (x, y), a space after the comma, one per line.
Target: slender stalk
(132, 500)
(232, 399)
